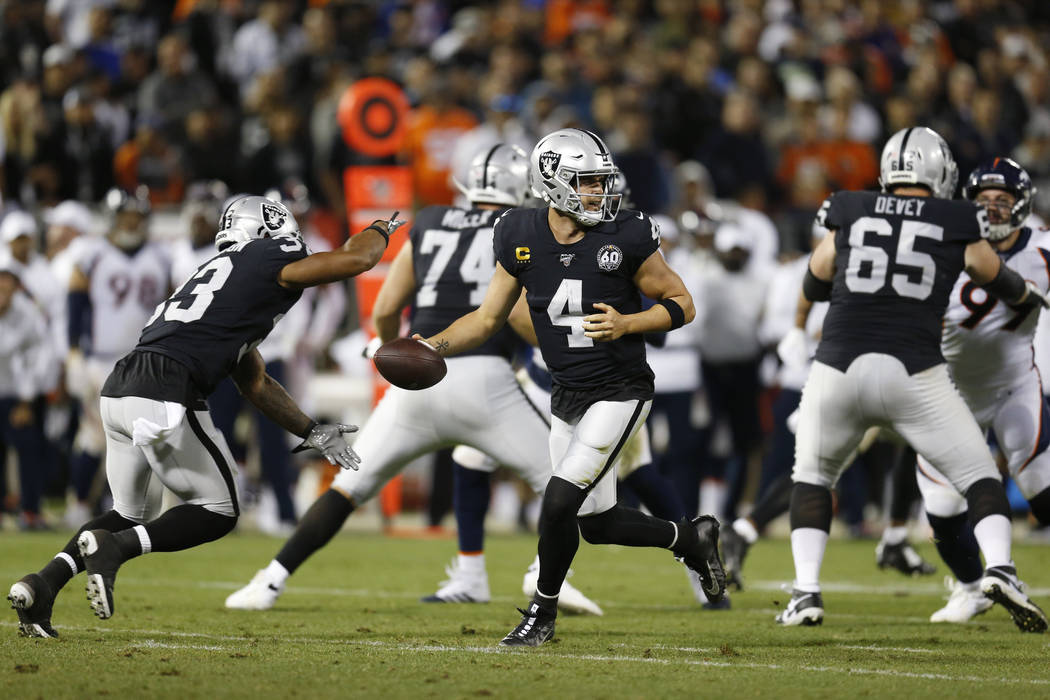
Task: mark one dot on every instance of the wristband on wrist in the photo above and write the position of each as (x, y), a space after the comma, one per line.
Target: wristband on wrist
(675, 311)
(379, 230)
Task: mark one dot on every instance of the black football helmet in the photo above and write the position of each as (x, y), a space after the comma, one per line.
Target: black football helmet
(1003, 174)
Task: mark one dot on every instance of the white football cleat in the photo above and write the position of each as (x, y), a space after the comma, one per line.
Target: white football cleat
(803, 609)
(1000, 583)
(964, 603)
(260, 594)
(570, 599)
(462, 586)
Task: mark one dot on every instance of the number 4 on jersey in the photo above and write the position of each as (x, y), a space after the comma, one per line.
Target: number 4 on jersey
(566, 309)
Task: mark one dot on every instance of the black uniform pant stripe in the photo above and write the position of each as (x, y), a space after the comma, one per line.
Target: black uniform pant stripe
(216, 454)
(619, 445)
(536, 409)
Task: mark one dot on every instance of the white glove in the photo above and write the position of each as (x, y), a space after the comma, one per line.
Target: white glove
(793, 348)
(1036, 295)
(393, 223)
(370, 349)
(327, 438)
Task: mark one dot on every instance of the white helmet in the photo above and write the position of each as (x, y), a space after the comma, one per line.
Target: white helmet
(558, 162)
(498, 175)
(919, 156)
(249, 216)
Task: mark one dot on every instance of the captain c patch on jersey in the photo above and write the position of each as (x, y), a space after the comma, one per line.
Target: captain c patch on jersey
(609, 257)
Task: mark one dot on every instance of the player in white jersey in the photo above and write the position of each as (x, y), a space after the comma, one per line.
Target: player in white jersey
(988, 346)
(116, 284)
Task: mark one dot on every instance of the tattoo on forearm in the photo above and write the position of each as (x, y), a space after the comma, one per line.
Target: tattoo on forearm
(441, 347)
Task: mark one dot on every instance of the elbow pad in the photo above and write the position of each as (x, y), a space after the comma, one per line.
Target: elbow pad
(1006, 285)
(814, 288)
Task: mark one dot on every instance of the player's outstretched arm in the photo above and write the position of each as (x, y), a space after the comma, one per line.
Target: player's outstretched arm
(986, 269)
(473, 329)
(656, 280)
(394, 295)
(268, 395)
(357, 255)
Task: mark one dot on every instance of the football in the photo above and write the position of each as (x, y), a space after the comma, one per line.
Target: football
(410, 364)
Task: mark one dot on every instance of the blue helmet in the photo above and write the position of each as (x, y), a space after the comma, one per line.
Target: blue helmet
(1003, 174)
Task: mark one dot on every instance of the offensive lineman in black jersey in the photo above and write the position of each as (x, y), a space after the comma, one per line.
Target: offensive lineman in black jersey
(155, 416)
(888, 269)
(583, 263)
(443, 270)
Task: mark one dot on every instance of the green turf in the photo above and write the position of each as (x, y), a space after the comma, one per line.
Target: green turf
(350, 625)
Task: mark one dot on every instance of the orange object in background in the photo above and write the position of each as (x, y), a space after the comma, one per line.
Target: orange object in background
(373, 115)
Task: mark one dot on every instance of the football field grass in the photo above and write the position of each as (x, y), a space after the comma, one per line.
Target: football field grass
(350, 626)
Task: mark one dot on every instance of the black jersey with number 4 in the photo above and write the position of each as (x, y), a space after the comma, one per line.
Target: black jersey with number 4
(453, 264)
(218, 315)
(896, 261)
(562, 284)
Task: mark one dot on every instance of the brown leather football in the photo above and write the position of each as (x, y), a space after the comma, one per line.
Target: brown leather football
(410, 364)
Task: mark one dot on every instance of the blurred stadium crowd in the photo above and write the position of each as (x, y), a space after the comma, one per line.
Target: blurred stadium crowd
(732, 119)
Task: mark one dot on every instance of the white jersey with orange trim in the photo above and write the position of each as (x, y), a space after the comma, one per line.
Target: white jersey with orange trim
(988, 344)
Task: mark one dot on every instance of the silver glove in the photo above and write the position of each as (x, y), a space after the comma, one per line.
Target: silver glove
(394, 223)
(1036, 295)
(327, 438)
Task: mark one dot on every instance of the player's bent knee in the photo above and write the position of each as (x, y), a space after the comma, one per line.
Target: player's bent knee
(811, 507)
(1040, 505)
(225, 508)
(561, 500)
(136, 514)
(595, 528)
(987, 497)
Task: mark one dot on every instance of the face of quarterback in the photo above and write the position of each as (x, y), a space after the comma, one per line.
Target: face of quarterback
(591, 184)
(998, 204)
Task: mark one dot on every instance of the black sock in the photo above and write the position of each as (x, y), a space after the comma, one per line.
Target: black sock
(655, 493)
(559, 538)
(472, 492)
(57, 572)
(987, 497)
(1040, 505)
(320, 523)
(957, 546)
(773, 502)
(628, 527)
(186, 526)
(904, 488)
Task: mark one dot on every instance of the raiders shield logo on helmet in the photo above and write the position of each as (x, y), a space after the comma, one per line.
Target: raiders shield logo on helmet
(273, 217)
(549, 161)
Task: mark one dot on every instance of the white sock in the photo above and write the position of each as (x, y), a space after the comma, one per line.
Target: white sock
(535, 563)
(712, 497)
(993, 536)
(276, 572)
(472, 563)
(895, 534)
(807, 548)
(744, 528)
(68, 560)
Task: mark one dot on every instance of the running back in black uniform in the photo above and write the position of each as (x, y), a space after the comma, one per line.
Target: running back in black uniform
(897, 259)
(453, 263)
(562, 284)
(202, 330)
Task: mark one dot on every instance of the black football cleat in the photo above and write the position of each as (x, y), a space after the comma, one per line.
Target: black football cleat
(902, 557)
(102, 558)
(803, 609)
(734, 549)
(32, 599)
(535, 628)
(1000, 583)
(697, 548)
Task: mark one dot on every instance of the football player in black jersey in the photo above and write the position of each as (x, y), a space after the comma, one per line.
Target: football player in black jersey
(443, 271)
(583, 264)
(155, 416)
(888, 268)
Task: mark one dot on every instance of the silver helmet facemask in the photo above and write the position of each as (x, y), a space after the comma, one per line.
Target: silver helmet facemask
(558, 164)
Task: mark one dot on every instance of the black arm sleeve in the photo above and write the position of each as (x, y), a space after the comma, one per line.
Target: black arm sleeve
(815, 288)
(1007, 285)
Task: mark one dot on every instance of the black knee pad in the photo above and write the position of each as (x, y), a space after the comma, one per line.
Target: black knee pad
(596, 528)
(1040, 505)
(987, 497)
(561, 501)
(810, 507)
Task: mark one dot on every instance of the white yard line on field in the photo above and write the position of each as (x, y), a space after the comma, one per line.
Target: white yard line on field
(549, 653)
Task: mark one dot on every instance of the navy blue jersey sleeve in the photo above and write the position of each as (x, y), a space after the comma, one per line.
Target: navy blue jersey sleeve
(641, 239)
(967, 222)
(507, 247)
(272, 254)
(831, 213)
